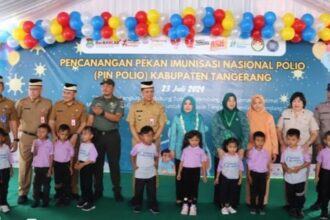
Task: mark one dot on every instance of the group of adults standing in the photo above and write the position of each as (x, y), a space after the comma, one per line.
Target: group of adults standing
(107, 110)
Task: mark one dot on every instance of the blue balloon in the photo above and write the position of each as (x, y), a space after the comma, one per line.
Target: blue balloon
(43, 43)
(245, 35)
(206, 30)
(132, 36)
(270, 17)
(38, 22)
(308, 19)
(75, 14)
(246, 26)
(208, 20)
(172, 34)
(182, 31)
(248, 16)
(176, 20)
(4, 36)
(96, 35)
(97, 22)
(130, 23)
(308, 34)
(209, 10)
(267, 32)
(79, 34)
(76, 23)
(37, 32)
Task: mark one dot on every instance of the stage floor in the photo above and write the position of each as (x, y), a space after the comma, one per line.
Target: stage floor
(107, 208)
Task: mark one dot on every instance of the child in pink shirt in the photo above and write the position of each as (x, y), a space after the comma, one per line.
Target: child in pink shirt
(43, 150)
(193, 158)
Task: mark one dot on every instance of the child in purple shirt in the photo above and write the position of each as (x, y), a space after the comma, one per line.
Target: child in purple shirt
(63, 159)
(86, 159)
(258, 172)
(322, 175)
(193, 158)
(42, 150)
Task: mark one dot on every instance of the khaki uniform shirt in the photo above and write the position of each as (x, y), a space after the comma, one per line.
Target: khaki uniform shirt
(7, 113)
(322, 116)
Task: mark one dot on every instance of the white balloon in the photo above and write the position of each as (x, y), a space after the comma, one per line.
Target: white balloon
(279, 25)
(199, 27)
(200, 12)
(123, 16)
(45, 24)
(163, 19)
(11, 42)
(122, 33)
(86, 17)
(277, 37)
(238, 19)
(318, 25)
(315, 40)
(49, 38)
(87, 30)
(235, 32)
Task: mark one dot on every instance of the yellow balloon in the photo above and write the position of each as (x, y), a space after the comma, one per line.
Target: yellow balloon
(229, 14)
(59, 38)
(325, 18)
(56, 29)
(19, 34)
(188, 11)
(228, 23)
(325, 34)
(22, 44)
(153, 16)
(287, 33)
(154, 30)
(226, 33)
(114, 22)
(20, 24)
(115, 38)
(288, 19)
(13, 57)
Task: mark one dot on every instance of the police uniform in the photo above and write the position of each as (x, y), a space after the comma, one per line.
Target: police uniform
(31, 113)
(72, 114)
(107, 141)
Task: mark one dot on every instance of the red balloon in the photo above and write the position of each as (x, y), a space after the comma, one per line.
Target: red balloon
(191, 33)
(327, 42)
(63, 18)
(189, 41)
(27, 26)
(259, 22)
(189, 20)
(299, 25)
(106, 32)
(29, 41)
(166, 28)
(106, 16)
(219, 15)
(216, 30)
(297, 38)
(256, 34)
(141, 30)
(69, 34)
(141, 17)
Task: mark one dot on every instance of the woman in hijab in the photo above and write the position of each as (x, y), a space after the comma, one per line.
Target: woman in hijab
(228, 122)
(189, 119)
(261, 120)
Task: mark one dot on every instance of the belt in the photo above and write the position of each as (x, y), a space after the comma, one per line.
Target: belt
(106, 132)
(28, 133)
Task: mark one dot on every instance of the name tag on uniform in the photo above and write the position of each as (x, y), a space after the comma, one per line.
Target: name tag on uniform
(152, 122)
(42, 120)
(286, 118)
(73, 122)
(3, 118)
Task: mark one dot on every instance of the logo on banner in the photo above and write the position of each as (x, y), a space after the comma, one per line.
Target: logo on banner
(258, 45)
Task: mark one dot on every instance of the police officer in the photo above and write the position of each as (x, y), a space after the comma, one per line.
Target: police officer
(32, 111)
(104, 115)
(322, 116)
(71, 112)
(147, 112)
(8, 117)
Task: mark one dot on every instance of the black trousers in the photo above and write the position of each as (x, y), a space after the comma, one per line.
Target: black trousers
(150, 185)
(86, 183)
(324, 186)
(178, 184)
(41, 184)
(190, 181)
(229, 189)
(4, 180)
(295, 193)
(62, 179)
(107, 144)
(258, 189)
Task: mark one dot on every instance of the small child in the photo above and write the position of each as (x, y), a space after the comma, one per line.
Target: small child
(166, 164)
(6, 170)
(86, 159)
(258, 172)
(144, 158)
(193, 158)
(295, 162)
(322, 175)
(229, 175)
(42, 150)
(63, 159)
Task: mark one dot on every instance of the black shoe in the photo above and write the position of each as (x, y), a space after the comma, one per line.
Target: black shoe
(35, 204)
(137, 209)
(45, 204)
(262, 212)
(75, 196)
(316, 206)
(300, 214)
(88, 207)
(253, 212)
(97, 196)
(293, 213)
(154, 210)
(22, 200)
(324, 217)
(286, 208)
(119, 197)
(58, 202)
(66, 202)
(81, 203)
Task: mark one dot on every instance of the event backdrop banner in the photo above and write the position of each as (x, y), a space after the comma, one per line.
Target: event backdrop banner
(205, 69)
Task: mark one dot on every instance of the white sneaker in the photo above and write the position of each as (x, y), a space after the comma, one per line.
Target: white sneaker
(185, 209)
(231, 210)
(193, 210)
(224, 211)
(5, 208)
